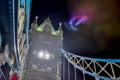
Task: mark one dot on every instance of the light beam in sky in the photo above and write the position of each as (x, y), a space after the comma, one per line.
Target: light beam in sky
(71, 21)
(75, 21)
(83, 18)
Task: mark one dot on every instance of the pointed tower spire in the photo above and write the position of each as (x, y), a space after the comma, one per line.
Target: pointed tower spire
(47, 27)
(34, 25)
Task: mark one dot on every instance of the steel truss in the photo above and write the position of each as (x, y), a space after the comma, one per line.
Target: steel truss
(105, 69)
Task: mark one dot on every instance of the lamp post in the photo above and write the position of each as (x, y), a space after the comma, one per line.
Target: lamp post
(36, 18)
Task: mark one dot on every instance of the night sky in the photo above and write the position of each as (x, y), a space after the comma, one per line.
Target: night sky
(55, 9)
(99, 36)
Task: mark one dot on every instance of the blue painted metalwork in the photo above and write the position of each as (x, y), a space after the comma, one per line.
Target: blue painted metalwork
(93, 59)
(9, 23)
(90, 59)
(13, 23)
(22, 3)
(11, 29)
(28, 11)
(14, 33)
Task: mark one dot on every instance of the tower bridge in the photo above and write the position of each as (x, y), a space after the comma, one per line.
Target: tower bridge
(100, 69)
(42, 57)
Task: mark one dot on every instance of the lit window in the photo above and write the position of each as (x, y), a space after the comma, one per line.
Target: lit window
(44, 54)
(41, 54)
(47, 56)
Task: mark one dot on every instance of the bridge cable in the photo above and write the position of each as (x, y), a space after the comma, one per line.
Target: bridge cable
(68, 70)
(63, 67)
(83, 65)
(84, 76)
(3, 74)
(95, 72)
(75, 73)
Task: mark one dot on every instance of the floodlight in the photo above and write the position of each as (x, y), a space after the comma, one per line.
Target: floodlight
(41, 54)
(47, 56)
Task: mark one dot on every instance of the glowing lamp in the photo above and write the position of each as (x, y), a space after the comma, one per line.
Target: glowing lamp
(41, 54)
(47, 56)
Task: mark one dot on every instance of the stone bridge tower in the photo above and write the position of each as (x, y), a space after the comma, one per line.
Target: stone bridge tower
(46, 42)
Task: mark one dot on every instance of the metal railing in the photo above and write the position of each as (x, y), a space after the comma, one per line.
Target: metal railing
(106, 69)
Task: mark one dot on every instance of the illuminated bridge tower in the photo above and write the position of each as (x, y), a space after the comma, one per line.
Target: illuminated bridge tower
(14, 26)
(45, 62)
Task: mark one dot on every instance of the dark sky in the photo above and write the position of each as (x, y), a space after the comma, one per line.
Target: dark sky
(55, 9)
(98, 37)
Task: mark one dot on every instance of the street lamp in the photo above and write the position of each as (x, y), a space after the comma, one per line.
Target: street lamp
(36, 18)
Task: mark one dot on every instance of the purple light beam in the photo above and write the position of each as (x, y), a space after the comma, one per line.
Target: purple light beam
(71, 21)
(83, 18)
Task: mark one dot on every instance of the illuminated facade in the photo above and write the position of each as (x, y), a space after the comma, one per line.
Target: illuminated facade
(14, 26)
(45, 62)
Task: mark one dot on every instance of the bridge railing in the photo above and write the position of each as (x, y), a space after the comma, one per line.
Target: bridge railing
(106, 69)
